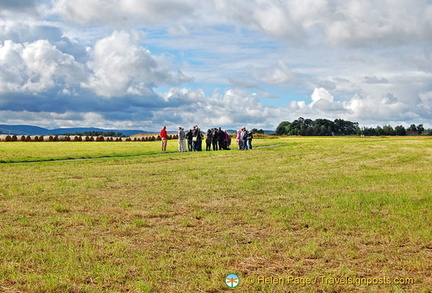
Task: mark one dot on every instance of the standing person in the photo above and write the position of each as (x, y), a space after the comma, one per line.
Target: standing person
(214, 140)
(189, 135)
(249, 139)
(209, 140)
(239, 139)
(244, 138)
(194, 139)
(200, 139)
(184, 140)
(227, 140)
(181, 140)
(221, 138)
(164, 138)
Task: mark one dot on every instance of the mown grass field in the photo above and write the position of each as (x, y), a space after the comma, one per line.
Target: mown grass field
(318, 209)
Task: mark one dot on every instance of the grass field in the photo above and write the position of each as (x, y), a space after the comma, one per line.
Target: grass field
(305, 215)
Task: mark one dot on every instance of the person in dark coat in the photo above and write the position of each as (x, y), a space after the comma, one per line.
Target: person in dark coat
(221, 138)
(189, 135)
(215, 139)
(209, 140)
(196, 139)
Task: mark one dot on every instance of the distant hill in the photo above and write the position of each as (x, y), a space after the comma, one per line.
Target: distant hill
(22, 130)
(35, 130)
(265, 131)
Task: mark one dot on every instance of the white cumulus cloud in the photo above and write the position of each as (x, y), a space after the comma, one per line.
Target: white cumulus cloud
(35, 67)
(216, 61)
(120, 66)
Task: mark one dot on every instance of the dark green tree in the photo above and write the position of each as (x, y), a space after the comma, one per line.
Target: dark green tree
(342, 127)
(283, 128)
(420, 128)
(400, 130)
(378, 130)
(388, 130)
(413, 127)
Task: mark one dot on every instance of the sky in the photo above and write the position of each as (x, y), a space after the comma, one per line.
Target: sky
(142, 64)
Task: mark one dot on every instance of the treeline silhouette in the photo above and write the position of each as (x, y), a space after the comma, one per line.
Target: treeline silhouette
(325, 127)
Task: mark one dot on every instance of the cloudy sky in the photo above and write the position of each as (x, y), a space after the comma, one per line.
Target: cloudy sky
(141, 64)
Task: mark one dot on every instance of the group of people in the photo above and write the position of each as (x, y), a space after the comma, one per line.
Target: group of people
(215, 139)
(244, 139)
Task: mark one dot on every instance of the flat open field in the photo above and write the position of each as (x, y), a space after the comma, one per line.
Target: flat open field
(307, 215)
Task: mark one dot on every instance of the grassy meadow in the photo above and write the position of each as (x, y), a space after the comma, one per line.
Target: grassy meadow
(303, 215)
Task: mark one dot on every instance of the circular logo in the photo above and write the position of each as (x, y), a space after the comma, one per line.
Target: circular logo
(232, 280)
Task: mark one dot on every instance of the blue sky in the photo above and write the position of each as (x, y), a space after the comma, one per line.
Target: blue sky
(130, 64)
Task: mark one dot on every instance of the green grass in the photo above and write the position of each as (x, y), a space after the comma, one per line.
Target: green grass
(310, 207)
(11, 152)
(46, 151)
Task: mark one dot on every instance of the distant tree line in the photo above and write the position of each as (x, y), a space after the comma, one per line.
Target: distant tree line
(398, 130)
(256, 131)
(325, 127)
(318, 127)
(97, 133)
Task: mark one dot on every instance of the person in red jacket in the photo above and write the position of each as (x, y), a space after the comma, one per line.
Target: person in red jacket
(164, 138)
